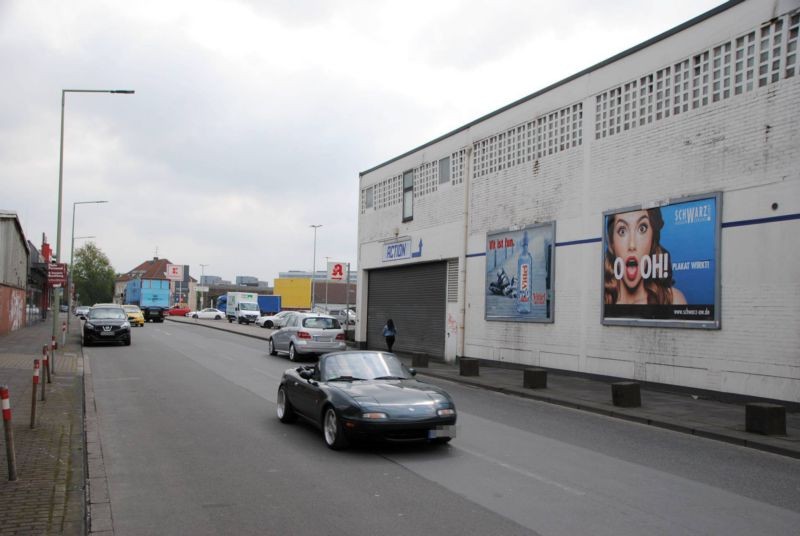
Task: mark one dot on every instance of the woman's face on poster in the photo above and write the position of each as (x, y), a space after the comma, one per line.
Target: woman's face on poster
(631, 240)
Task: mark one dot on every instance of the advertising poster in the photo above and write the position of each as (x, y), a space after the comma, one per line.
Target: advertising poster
(519, 274)
(661, 264)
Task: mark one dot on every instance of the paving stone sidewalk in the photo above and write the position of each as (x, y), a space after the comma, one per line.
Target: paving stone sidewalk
(48, 496)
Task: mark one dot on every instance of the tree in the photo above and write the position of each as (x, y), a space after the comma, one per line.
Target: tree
(93, 275)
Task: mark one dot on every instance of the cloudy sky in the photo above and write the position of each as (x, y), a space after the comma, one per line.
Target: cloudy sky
(252, 119)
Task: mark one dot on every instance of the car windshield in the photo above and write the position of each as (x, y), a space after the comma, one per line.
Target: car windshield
(248, 306)
(131, 308)
(107, 313)
(321, 322)
(362, 366)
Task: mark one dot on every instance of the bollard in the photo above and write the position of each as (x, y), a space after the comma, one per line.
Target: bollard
(9, 433)
(46, 363)
(33, 395)
(626, 394)
(53, 347)
(469, 366)
(53, 341)
(43, 380)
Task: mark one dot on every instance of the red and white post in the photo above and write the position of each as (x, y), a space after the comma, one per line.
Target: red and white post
(33, 391)
(46, 362)
(11, 457)
(53, 346)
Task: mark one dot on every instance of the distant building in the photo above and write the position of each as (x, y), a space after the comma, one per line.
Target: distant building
(206, 280)
(180, 291)
(247, 280)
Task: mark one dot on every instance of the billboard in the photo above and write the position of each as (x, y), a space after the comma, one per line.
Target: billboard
(174, 272)
(519, 274)
(661, 264)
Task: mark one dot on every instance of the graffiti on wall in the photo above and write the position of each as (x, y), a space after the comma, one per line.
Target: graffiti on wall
(12, 309)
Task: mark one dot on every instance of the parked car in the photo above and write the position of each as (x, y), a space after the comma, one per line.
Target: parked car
(366, 394)
(273, 321)
(64, 308)
(344, 315)
(215, 314)
(135, 315)
(179, 310)
(106, 323)
(307, 334)
(81, 310)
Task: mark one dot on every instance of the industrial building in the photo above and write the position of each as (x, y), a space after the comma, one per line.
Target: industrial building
(636, 220)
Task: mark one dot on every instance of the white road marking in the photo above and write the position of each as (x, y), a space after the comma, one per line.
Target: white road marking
(524, 472)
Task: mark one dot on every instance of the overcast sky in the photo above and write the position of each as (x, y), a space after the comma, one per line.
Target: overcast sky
(252, 119)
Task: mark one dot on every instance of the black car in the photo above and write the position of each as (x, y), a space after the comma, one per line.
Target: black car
(365, 394)
(106, 324)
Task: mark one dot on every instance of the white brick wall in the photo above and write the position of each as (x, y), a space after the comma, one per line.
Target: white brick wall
(746, 146)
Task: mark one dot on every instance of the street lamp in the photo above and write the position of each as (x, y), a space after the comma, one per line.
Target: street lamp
(314, 268)
(71, 256)
(56, 295)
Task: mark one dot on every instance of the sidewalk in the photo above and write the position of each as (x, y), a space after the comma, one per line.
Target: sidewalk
(691, 413)
(48, 495)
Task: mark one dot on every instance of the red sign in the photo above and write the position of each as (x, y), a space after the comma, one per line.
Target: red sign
(56, 274)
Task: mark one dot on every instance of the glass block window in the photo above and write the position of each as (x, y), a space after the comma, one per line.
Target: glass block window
(755, 59)
(444, 170)
(457, 166)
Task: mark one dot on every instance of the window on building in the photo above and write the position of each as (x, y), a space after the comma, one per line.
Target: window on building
(368, 198)
(444, 170)
(408, 195)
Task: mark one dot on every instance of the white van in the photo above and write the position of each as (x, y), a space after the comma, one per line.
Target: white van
(242, 307)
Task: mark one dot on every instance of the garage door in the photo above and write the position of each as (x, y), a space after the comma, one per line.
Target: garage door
(415, 298)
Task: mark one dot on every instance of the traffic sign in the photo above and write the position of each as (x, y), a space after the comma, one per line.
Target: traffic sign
(56, 274)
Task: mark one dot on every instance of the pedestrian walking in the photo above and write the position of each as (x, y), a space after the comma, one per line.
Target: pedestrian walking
(389, 331)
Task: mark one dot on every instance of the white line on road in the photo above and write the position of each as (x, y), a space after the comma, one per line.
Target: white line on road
(524, 472)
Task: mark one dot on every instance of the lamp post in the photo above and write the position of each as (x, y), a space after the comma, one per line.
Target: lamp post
(56, 294)
(71, 256)
(314, 268)
(327, 260)
(202, 293)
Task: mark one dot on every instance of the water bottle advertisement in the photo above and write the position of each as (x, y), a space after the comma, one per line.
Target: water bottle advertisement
(519, 274)
(661, 264)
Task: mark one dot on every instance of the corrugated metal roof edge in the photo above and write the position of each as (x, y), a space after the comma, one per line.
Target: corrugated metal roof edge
(677, 29)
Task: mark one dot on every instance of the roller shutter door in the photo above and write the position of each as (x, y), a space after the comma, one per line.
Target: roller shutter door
(414, 297)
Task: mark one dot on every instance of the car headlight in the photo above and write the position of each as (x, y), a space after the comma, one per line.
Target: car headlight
(446, 412)
(374, 415)
(126, 324)
(87, 325)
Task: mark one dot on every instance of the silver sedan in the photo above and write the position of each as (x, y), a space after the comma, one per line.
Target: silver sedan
(307, 334)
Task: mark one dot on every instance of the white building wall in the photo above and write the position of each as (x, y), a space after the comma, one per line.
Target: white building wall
(744, 145)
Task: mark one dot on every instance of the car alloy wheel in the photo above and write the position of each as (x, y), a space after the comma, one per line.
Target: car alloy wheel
(285, 410)
(268, 324)
(292, 353)
(272, 350)
(332, 429)
(216, 317)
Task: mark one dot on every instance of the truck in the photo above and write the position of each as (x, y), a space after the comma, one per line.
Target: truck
(222, 303)
(151, 295)
(242, 307)
(269, 304)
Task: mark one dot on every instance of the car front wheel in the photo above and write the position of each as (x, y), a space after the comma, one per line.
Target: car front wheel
(292, 353)
(286, 412)
(333, 432)
(216, 317)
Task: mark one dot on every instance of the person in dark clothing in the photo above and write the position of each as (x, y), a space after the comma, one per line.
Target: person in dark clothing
(389, 331)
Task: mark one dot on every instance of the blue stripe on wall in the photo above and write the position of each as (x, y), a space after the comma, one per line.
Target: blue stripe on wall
(740, 223)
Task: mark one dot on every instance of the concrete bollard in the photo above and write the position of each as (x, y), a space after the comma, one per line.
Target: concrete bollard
(11, 456)
(469, 366)
(626, 394)
(534, 378)
(33, 392)
(766, 419)
(419, 361)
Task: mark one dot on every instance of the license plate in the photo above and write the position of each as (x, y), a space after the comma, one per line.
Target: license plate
(106, 333)
(323, 339)
(442, 431)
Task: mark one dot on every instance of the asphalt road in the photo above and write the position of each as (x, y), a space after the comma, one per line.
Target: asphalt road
(191, 445)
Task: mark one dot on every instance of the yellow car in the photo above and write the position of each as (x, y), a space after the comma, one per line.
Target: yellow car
(135, 316)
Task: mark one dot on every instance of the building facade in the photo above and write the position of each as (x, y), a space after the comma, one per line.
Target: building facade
(14, 263)
(514, 238)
